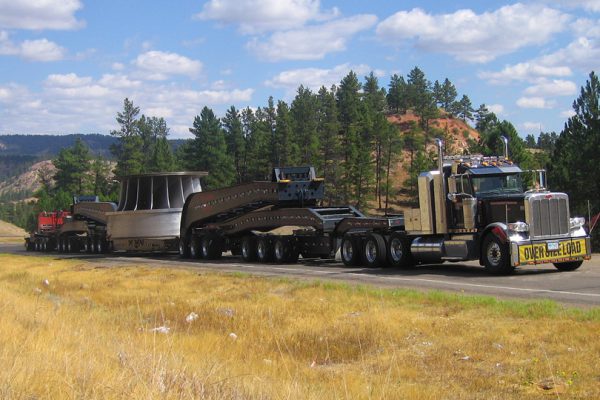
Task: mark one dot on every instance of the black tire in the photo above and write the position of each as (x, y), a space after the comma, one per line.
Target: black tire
(264, 249)
(374, 251)
(28, 245)
(61, 245)
(100, 246)
(195, 251)
(398, 251)
(496, 258)
(184, 248)
(211, 246)
(568, 266)
(248, 249)
(88, 245)
(284, 250)
(351, 250)
(73, 245)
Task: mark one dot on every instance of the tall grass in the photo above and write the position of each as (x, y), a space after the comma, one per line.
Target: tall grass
(72, 329)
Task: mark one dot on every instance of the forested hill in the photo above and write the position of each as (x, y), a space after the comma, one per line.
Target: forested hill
(50, 145)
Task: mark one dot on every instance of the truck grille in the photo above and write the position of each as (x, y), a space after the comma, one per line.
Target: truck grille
(547, 214)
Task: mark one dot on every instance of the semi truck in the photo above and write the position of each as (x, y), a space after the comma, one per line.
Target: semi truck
(470, 208)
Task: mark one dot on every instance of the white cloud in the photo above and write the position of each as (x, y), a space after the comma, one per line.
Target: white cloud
(582, 53)
(532, 126)
(588, 5)
(39, 14)
(585, 27)
(158, 65)
(497, 109)
(534, 102)
(474, 37)
(567, 113)
(67, 80)
(314, 78)
(255, 16)
(71, 103)
(117, 66)
(525, 71)
(42, 50)
(556, 87)
(32, 50)
(313, 42)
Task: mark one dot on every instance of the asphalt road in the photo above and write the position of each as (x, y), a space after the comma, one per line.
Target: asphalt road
(581, 287)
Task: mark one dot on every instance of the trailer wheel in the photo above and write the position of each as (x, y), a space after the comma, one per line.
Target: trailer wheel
(350, 251)
(73, 245)
(398, 252)
(495, 256)
(195, 251)
(264, 249)
(284, 250)
(184, 249)
(568, 266)
(249, 248)
(99, 246)
(211, 246)
(374, 251)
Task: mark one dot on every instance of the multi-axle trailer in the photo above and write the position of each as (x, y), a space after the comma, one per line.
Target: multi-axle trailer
(470, 208)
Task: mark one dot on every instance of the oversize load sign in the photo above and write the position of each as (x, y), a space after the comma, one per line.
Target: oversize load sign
(541, 252)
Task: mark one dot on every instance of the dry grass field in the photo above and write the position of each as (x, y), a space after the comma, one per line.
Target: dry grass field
(10, 233)
(72, 329)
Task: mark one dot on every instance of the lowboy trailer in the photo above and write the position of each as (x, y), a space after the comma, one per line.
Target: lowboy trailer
(470, 208)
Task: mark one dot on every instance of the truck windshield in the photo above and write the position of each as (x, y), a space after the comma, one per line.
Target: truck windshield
(493, 185)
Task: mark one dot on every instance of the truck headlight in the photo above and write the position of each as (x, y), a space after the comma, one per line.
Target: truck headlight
(576, 223)
(518, 226)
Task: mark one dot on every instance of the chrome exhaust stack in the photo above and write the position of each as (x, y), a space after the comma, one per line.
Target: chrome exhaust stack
(505, 140)
(440, 145)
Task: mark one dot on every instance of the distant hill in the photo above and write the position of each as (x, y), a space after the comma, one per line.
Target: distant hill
(47, 146)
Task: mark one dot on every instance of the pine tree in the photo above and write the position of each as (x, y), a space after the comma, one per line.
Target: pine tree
(448, 95)
(329, 163)
(210, 151)
(465, 108)
(420, 97)
(575, 159)
(162, 159)
(348, 102)
(304, 123)
(374, 99)
(397, 94)
(236, 144)
(286, 148)
(128, 150)
(72, 168)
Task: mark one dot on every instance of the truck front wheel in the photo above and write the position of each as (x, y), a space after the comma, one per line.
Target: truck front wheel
(568, 266)
(398, 252)
(495, 256)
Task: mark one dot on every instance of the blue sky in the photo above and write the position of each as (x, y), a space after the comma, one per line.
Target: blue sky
(67, 65)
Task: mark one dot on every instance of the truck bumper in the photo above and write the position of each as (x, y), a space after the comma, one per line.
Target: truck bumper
(531, 252)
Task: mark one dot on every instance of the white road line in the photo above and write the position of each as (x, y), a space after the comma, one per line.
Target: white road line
(398, 278)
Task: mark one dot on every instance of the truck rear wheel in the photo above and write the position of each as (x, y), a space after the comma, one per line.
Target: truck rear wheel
(495, 256)
(195, 251)
(284, 250)
(249, 248)
(184, 249)
(211, 246)
(264, 249)
(350, 251)
(374, 251)
(398, 251)
(568, 266)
